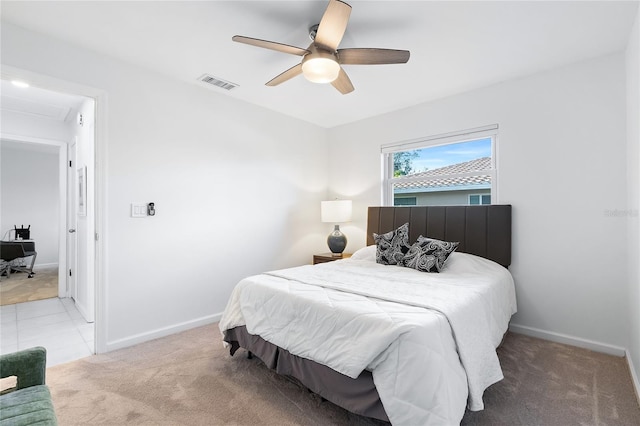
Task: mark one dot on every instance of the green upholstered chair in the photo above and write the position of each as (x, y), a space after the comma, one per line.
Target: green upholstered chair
(29, 402)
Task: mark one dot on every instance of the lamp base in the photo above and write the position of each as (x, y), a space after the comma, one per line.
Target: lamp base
(337, 241)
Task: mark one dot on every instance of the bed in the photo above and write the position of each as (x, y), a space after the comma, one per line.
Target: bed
(386, 341)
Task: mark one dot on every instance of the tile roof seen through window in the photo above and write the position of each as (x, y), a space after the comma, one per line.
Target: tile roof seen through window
(433, 181)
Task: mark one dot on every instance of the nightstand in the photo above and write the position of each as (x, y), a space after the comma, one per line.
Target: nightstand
(329, 257)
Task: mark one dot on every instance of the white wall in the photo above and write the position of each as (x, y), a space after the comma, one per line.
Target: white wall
(237, 189)
(561, 159)
(29, 195)
(633, 191)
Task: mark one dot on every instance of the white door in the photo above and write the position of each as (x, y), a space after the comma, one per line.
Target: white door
(85, 212)
(72, 223)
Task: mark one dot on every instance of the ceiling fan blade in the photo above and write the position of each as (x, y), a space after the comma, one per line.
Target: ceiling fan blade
(333, 25)
(372, 56)
(279, 47)
(343, 83)
(287, 75)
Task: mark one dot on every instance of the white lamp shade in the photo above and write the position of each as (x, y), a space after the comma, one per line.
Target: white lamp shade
(320, 69)
(336, 211)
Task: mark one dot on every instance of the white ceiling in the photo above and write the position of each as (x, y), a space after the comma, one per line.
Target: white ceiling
(39, 103)
(455, 46)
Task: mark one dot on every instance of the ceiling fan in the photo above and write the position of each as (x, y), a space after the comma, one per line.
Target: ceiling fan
(322, 60)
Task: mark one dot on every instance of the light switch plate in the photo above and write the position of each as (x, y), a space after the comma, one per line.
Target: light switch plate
(138, 209)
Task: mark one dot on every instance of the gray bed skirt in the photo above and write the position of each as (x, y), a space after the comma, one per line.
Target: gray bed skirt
(356, 395)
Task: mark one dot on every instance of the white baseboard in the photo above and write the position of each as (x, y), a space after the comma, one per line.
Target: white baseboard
(634, 376)
(45, 265)
(162, 332)
(568, 340)
(83, 311)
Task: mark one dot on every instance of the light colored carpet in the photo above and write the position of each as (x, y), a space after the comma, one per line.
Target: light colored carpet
(189, 379)
(550, 384)
(19, 288)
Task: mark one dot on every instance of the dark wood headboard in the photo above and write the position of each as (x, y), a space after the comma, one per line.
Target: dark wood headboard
(481, 230)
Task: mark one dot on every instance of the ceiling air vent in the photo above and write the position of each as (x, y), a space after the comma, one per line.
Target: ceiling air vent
(218, 82)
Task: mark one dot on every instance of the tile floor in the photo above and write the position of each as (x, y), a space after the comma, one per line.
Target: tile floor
(53, 323)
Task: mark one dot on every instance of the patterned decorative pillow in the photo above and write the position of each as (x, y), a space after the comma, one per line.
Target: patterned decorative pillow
(428, 255)
(392, 246)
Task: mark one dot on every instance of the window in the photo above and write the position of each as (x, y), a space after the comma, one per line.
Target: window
(452, 169)
(404, 201)
(478, 199)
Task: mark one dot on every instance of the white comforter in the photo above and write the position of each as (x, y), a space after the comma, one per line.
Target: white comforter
(429, 339)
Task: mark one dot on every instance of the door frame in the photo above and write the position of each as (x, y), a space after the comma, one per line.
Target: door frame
(100, 199)
(72, 220)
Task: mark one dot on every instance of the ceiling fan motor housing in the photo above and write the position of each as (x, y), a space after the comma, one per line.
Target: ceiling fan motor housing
(313, 30)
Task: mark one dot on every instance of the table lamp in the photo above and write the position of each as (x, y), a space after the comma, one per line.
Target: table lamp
(333, 212)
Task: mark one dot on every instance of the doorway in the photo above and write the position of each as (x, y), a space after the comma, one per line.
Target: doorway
(33, 184)
(71, 126)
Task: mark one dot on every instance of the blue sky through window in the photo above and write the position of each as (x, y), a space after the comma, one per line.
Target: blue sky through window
(445, 155)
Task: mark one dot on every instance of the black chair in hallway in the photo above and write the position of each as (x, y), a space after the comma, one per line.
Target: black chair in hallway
(10, 251)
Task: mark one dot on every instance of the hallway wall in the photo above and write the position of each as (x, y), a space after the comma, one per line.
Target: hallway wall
(29, 188)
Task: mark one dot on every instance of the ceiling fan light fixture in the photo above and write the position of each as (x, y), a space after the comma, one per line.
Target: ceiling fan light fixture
(19, 83)
(319, 68)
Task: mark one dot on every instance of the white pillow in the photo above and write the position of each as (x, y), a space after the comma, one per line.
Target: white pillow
(365, 253)
(465, 263)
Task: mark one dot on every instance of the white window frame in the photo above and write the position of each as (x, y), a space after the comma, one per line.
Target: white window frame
(388, 150)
